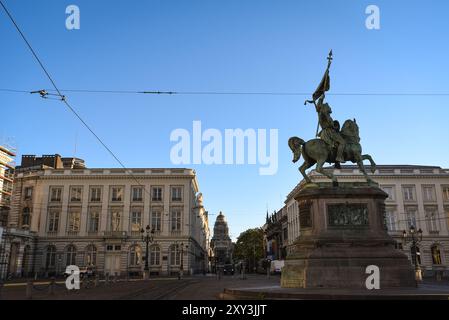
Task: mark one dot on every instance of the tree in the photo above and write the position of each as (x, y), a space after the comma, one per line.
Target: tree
(249, 247)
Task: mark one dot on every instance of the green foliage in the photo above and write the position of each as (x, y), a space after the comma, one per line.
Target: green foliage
(249, 247)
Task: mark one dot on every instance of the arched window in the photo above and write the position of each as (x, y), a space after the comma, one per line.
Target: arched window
(71, 255)
(90, 258)
(436, 254)
(155, 255)
(135, 256)
(26, 217)
(414, 250)
(50, 261)
(175, 255)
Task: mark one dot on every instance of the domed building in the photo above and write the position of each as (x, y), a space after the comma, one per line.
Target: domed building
(221, 242)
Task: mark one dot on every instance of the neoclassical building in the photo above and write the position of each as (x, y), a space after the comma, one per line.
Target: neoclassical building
(221, 243)
(93, 217)
(418, 196)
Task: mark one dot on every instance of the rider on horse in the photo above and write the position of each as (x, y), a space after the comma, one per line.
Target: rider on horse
(330, 129)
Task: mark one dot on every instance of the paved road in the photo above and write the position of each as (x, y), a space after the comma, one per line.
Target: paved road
(190, 288)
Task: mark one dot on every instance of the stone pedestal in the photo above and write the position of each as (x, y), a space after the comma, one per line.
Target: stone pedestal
(342, 232)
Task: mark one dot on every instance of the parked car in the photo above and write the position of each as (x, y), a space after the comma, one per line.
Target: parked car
(276, 266)
(228, 269)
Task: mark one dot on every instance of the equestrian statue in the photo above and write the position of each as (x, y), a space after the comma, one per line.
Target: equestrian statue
(333, 144)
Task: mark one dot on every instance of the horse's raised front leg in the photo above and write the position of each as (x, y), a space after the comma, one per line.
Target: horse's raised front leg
(319, 168)
(306, 165)
(373, 164)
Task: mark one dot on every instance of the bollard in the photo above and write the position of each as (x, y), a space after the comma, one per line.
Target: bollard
(97, 280)
(29, 290)
(51, 287)
(106, 279)
(1, 287)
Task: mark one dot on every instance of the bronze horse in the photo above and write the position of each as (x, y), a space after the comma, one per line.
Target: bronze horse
(316, 151)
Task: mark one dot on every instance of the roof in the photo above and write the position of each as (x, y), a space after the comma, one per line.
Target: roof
(3, 149)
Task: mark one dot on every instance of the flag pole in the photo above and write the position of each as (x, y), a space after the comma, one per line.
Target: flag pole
(325, 84)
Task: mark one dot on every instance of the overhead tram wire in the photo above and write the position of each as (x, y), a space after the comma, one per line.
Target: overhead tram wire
(155, 92)
(64, 99)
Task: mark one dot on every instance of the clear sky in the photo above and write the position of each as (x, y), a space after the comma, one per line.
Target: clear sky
(234, 46)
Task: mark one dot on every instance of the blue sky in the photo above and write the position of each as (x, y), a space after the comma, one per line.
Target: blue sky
(236, 46)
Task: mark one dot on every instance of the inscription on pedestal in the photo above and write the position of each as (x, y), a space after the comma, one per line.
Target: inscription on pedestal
(347, 215)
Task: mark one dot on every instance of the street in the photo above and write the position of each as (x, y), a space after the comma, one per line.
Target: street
(190, 288)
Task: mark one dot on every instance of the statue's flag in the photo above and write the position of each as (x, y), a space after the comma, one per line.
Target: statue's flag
(323, 86)
(325, 82)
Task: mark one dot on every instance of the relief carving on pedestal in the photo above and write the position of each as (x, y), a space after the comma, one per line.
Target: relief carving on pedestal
(347, 215)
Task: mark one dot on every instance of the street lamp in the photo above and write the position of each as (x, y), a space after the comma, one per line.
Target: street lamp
(147, 237)
(415, 237)
(181, 271)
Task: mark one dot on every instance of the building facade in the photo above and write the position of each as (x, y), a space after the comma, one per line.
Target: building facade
(221, 243)
(276, 235)
(94, 217)
(6, 186)
(6, 183)
(418, 196)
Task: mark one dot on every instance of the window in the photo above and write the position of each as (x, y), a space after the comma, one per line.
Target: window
(53, 220)
(176, 194)
(155, 255)
(137, 194)
(90, 258)
(94, 220)
(432, 219)
(136, 220)
(28, 193)
(446, 193)
(409, 193)
(26, 216)
(390, 191)
(156, 217)
(115, 220)
(135, 256)
(74, 220)
(176, 220)
(71, 256)
(156, 194)
(50, 261)
(410, 214)
(95, 194)
(391, 220)
(117, 194)
(436, 254)
(75, 194)
(428, 193)
(175, 255)
(55, 194)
